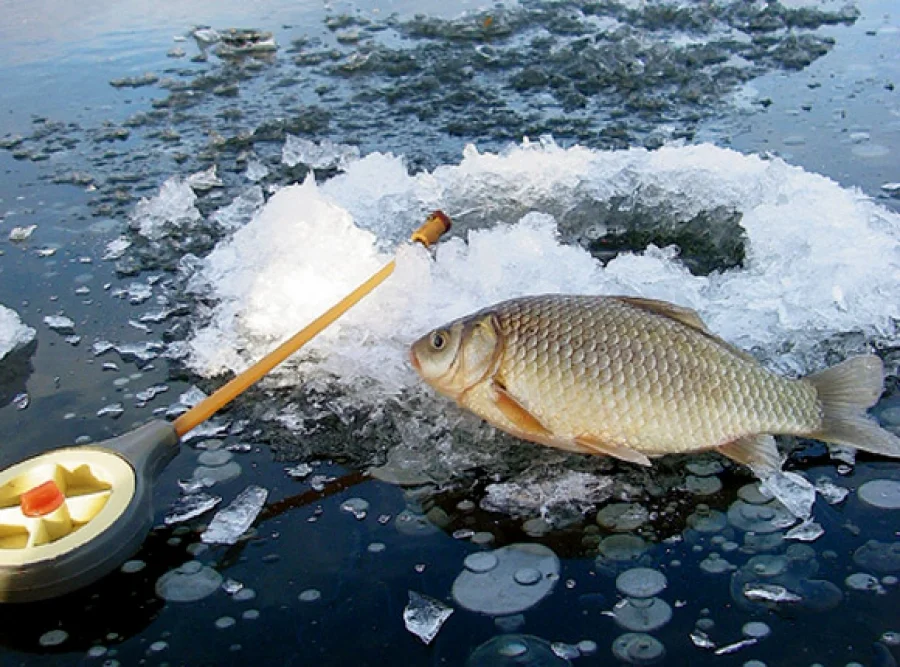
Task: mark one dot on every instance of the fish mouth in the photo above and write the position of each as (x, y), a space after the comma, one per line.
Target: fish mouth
(414, 360)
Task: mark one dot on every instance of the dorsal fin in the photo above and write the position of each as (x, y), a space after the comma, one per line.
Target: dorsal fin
(687, 317)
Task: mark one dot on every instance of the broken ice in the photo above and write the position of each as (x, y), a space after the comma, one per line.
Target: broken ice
(769, 593)
(323, 155)
(13, 333)
(793, 491)
(188, 507)
(60, 323)
(424, 616)
(230, 523)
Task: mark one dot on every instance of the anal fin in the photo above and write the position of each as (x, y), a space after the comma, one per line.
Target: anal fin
(621, 452)
(757, 452)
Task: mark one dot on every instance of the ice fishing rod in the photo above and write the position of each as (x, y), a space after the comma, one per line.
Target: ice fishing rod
(71, 515)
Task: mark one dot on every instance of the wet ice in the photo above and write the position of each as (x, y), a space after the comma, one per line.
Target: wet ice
(424, 616)
(229, 524)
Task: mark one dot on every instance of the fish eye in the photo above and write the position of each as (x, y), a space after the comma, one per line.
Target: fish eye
(438, 340)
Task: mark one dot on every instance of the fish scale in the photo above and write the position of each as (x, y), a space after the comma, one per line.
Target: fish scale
(635, 378)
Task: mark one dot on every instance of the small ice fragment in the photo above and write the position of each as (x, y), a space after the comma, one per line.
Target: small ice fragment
(191, 397)
(736, 646)
(60, 323)
(881, 493)
(565, 651)
(14, 334)
(204, 180)
(113, 410)
(152, 392)
(188, 507)
(808, 531)
(424, 616)
(232, 586)
(299, 471)
(116, 248)
(46, 252)
(18, 234)
(229, 524)
(256, 171)
(587, 647)
(21, 401)
(323, 155)
(701, 639)
(793, 491)
(831, 492)
(769, 593)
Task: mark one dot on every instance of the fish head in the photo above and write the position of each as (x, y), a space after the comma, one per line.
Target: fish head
(458, 355)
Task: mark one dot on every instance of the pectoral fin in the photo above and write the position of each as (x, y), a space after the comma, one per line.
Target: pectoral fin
(758, 452)
(527, 425)
(620, 452)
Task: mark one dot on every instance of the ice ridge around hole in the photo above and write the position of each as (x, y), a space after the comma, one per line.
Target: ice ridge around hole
(821, 260)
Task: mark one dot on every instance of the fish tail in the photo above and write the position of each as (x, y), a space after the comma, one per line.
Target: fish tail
(845, 392)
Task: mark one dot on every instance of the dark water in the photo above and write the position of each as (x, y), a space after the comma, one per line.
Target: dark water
(816, 86)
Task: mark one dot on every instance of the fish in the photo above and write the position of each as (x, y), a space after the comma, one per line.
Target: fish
(636, 379)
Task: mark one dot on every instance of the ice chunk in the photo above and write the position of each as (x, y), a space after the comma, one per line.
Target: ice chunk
(808, 531)
(116, 248)
(323, 155)
(188, 507)
(793, 491)
(240, 210)
(14, 334)
(769, 593)
(172, 208)
(204, 180)
(551, 494)
(230, 523)
(60, 323)
(18, 234)
(424, 616)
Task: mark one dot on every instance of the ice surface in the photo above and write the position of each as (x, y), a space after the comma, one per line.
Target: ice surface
(821, 260)
(424, 616)
(13, 333)
(229, 524)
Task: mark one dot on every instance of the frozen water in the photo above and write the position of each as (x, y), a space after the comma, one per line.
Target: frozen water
(322, 155)
(229, 524)
(793, 491)
(769, 593)
(549, 494)
(18, 234)
(808, 531)
(424, 616)
(60, 323)
(13, 333)
(831, 492)
(172, 208)
(204, 180)
(623, 517)
(240, 210)
(188, 507)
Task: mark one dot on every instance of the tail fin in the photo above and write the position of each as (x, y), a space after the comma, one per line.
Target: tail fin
(845, 392)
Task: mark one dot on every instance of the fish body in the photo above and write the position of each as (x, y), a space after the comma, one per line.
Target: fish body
(638, 378)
